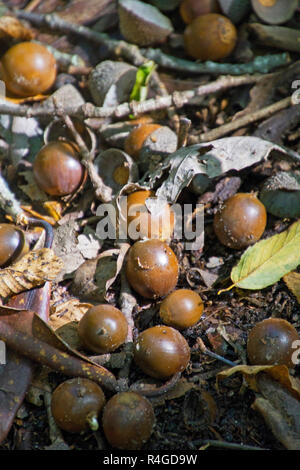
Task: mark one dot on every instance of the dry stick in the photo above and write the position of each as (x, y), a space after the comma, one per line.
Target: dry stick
(156, 391)
(221, 131)
(137, 57)
(45, 354)
(177, 99)
(184, 127)
(102, 191)
(127, 303)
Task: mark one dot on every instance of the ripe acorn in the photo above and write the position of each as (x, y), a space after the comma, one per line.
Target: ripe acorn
(241, 221)
(181, 308)
(190, 9)
(57, 168)
(28, 69)
(155, 223)
(152, 268)
(161, 351)
(13, 244)
(270, 342)
(76, 404)
(210, 37)
(128, 420)
(103, 328)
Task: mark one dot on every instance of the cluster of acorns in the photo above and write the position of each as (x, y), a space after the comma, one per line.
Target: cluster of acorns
(159, 351)
(152, 267)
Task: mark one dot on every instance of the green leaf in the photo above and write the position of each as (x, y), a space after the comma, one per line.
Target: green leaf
(264, 263)
(143, 74)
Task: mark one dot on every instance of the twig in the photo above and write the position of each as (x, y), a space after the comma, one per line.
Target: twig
(232, 126)
(102, 191)
(206, 351)
(127, 303)
(184, 127)
(147, 391)
(64, 59)
(228, 445)
(88, 110)
(261, 64)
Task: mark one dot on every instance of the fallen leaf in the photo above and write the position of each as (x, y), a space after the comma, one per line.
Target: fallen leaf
(280, 410)
(213, 159)
(292, 280)
(71, 310)
(32, 270)
(267, 261)
(280, 373)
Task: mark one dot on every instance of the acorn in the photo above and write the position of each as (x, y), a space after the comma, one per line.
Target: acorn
(76, 404)
(128, 420)
(152, 268)
(28, 69)
(190, 9)
(210, 37)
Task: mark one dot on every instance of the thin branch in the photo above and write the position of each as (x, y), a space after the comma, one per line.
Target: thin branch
(138, 56)
(261, 64)
(244, 121)
(177, 99)
(102, 191)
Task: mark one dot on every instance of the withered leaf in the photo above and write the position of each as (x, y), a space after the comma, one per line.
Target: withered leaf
(70, 310)
(32, 270)
(292, 280)
(280, 410)
(213, 159)
(280, 373)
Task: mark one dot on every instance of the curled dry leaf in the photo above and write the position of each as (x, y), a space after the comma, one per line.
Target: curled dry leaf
(31, 271)
(278, 399)
(280, 373)
(70, 310)
(280, 410)
(213, 159)
(10, 27)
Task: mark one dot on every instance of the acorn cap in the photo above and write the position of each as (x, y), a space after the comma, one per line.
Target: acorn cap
(274, 11)
(116, 168)
(158, 145)
(143, 24)
(110, 83)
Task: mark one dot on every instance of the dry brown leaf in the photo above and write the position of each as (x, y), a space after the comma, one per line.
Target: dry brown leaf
(31, 271)
(280, 373)
(70, 310)
(280, 410)
(292, 280)
(10, 27)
